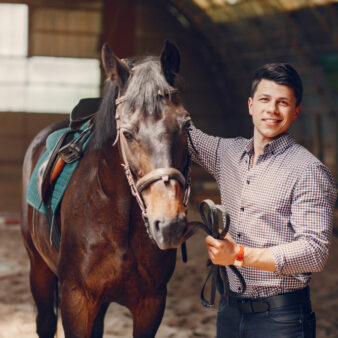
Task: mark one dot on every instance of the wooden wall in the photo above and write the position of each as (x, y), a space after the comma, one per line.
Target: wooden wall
(136, 28)
(16, 132)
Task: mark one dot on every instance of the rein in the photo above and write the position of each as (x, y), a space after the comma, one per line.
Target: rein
(209, 213)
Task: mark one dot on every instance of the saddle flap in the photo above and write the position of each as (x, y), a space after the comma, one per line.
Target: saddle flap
(44, 172)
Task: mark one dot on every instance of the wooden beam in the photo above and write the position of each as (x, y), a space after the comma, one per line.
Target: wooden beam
(119, 26)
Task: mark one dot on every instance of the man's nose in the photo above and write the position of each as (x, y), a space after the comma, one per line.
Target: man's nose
(273, 107)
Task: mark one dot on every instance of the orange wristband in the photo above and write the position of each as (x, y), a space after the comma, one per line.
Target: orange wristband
(240, 255)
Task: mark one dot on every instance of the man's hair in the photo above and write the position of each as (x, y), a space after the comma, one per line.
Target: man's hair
(281, 73)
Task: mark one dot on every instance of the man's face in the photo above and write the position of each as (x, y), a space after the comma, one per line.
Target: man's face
(273, 109)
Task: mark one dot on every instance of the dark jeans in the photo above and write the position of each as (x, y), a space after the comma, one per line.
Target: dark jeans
(293, 321)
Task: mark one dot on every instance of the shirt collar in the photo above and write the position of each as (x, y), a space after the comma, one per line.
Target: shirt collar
(277, 146)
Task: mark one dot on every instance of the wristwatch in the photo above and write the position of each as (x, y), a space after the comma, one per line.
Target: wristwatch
(239, 258)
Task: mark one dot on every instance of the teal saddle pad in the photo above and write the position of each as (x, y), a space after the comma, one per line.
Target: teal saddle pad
(61, 183)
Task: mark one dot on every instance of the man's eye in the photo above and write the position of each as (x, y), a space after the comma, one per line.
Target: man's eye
(263, 99)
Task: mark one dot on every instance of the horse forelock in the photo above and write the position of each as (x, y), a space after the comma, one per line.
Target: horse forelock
(143, 86)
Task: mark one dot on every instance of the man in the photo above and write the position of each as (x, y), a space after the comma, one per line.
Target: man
(280, 199)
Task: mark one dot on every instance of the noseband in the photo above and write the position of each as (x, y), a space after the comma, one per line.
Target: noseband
(164, 174)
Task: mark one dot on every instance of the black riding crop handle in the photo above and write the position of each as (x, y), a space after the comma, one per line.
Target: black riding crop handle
(210, 216)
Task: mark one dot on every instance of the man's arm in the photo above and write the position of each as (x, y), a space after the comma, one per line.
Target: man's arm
(203, 149)
(312, 221)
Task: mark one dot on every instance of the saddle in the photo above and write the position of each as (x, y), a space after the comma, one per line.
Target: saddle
(68, 149)
(83, 111)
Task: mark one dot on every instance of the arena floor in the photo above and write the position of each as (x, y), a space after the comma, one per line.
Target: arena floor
(184, 317)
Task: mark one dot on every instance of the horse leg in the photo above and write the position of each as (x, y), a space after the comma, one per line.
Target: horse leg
(98, 326)
(43, 283)
(147, 315)
(78, 311)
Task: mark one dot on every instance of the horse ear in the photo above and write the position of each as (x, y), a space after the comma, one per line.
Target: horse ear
(114, 67)
(170, 61)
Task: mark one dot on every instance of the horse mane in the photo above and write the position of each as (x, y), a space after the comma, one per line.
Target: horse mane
(142, 88)
(105, 128)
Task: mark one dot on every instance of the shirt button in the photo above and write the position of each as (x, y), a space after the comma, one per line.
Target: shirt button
(242, 208)
(248, 181)
(239, 289)
(238, 235)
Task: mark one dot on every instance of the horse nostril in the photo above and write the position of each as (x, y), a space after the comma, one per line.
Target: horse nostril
(157, 226)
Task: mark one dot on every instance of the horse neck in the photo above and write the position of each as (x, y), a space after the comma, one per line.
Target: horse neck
(113, 182)
(105, 167)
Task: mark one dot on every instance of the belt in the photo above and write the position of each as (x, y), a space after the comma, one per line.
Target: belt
(252, 305)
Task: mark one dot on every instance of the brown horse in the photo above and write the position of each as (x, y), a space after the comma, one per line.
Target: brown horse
(108, 251)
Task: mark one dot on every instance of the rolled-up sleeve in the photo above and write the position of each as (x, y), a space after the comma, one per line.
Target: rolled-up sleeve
(203, 149)
(312, 211)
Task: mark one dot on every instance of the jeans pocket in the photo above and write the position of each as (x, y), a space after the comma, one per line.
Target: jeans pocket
(286, 314)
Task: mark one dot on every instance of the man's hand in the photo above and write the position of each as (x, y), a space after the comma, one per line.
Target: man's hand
(222, 251)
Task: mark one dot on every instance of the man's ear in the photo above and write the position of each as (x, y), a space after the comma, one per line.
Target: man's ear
(250, 105)
(298, 108)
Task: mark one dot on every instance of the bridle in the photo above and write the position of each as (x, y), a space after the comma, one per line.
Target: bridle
(210, 220)
(164, 174)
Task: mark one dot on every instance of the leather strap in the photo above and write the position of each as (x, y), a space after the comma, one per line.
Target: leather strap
(209, 214)
(164, 174)
(155, 175)
(249, 305)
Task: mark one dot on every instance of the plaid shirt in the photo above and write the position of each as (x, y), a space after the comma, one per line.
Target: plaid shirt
(285, 203)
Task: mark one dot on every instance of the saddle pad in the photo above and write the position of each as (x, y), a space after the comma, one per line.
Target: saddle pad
(61, 183)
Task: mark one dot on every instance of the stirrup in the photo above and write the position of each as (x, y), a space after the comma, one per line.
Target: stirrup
(70, 152)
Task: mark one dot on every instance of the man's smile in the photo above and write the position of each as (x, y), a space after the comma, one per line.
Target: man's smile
(271, 121)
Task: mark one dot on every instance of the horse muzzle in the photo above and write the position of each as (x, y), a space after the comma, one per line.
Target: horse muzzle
(168, 233)
(166, 213)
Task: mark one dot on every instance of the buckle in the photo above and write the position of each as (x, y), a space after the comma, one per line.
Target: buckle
(70, 153)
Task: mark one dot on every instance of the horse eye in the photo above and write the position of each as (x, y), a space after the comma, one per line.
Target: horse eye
(128, 135)
(176, 99)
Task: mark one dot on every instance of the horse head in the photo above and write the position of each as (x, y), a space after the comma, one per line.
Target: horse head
(151, 127)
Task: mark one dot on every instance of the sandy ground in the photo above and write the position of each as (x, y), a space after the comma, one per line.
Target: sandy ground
(184, 317)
